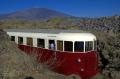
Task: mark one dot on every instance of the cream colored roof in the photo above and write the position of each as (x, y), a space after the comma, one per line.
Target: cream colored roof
(76, 36)
(67, 35)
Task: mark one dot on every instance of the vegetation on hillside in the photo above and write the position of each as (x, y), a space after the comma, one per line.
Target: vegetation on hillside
(100, 24)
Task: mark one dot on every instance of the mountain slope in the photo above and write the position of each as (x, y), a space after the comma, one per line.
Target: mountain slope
(34, 14)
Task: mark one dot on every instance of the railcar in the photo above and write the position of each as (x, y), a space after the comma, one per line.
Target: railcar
(64, 51)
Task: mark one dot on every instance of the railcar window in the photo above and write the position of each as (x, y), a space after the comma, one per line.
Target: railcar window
(95, 45)
(29, 41)
(12, 38)
(41, 43)
(68, 46)
(52, 45)
(20, 40)
(59, 45)
(88, 45)
(79, 46)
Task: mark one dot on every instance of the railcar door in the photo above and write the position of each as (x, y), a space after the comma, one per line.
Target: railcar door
(52, 47)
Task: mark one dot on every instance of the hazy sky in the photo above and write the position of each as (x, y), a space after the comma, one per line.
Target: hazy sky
(82, 8)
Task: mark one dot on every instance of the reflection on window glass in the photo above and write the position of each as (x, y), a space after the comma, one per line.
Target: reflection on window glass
(41, 43)
(68, 46)
(88, 46)
(12, 38)
(79, 46)
(59, 45)
(29, 41)
(20, 40)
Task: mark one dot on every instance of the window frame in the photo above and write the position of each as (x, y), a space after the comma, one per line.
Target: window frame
(83, 46)
(61, 45)
(71, 46)
(53, 42)
(12, 38)
(41, 42)
(95, 45)
(19, 42)
(89, 46)
(31, 43)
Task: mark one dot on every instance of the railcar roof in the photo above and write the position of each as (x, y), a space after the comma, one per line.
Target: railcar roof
(52, 31)
(68, 35)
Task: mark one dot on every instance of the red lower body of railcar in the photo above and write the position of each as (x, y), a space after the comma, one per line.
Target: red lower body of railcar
(83, 64)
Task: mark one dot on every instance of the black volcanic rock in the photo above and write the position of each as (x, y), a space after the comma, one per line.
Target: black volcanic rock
(34, 14)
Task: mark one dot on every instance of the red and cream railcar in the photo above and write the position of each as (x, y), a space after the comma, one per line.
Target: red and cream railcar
(64, 51)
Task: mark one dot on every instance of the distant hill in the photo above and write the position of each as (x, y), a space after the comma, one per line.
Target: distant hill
(46, 18)
(34, 14)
